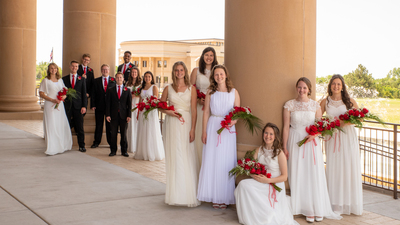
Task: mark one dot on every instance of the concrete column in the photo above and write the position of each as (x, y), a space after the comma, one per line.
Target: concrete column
(268, 46)
(18, 56)
(89, 27)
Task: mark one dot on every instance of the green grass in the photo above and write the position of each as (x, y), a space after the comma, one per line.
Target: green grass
(387, 109)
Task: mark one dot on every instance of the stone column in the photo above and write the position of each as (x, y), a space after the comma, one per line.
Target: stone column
(268, 46)
(89, 27)
(18, 56)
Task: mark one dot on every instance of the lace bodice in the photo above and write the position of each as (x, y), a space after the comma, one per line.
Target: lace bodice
(180, 100)
(302, 114)
(203, 80)
(335, 108)
(147, 93)
(271, 164)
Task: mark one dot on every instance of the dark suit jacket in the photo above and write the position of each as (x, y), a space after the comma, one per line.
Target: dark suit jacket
(98, 96)
(123, 105)
(80, 87)
(89, 78)
(127, 71)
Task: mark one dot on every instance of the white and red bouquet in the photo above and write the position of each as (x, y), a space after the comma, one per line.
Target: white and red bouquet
(247, 166)
(200, 95)
(70, 93)
(151, 103)
(136, 91)
(356, 116)
(324, 126)
(243, 113)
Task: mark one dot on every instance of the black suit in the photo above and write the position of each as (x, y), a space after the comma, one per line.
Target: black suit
(127, 70)
(89, 78)
(98, 100)
(119, 109)
(73, 108)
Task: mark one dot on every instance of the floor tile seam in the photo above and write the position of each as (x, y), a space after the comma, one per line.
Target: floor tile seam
(95, 202)
(27, 208)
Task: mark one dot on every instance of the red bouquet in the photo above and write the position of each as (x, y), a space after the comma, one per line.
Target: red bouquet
(243, 113)
(69, 92)
(356, 116)
(200, 95)
(136, 91)
(246, 166)
(151, 103)
(324, 126)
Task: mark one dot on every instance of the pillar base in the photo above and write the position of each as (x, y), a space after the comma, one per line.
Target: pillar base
(19, 103)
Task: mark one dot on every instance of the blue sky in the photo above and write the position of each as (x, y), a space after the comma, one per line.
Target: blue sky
(349, 32)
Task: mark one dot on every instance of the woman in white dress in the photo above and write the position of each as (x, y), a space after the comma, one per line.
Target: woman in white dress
(180, 154)
(149, 144)
(219, 157)
(343, 169)
(57, 132)
(134, 82)
(201, 78)
(255, 201)
(309, 192)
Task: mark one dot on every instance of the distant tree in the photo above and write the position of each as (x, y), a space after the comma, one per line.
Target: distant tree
(323, 80)
(389, 87)
(41, 70)
(360, 78)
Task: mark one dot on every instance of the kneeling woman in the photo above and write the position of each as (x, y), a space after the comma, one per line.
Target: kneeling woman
(256, 202)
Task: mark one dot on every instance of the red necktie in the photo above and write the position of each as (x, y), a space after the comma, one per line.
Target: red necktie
(119, 92)
(73, 82)
(124, 69)
(105, 84)
(84, 70)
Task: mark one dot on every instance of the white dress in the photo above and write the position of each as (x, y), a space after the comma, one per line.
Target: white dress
(133, 125)
(180, 155)
(215, 183)
(149, 144)
(254, 203)
(202, 83)
(57, 132)
(309, 192)
(343, 169)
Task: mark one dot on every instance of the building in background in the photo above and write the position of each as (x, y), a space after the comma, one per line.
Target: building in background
(159, 56)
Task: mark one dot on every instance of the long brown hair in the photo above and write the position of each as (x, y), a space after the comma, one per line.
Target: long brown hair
(186, 78)
(214, 85)
(138, 78)
(58, 76)
(307, 82)
(202, 63)
(277, 145)
(344, 93)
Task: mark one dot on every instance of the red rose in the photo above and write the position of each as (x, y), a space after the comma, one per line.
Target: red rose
(240, 162)
(264, 172)
(346, 117)
(112, 78)
(59, 97)
(147, 107)
(341, 117)
(365, 110)
(79, 78)
(351, 112)
(253, 170)
(246, 167)
(313, 129)
(320, 124)
(356, 113)
(90, 69)
(249, 110)
(337, 123)
(130, 65)
(247, 160)
(153, 105)
(268, 175)
(258, 171)
(362, 115)
(333, 124)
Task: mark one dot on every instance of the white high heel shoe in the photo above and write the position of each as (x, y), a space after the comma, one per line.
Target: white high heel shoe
(310, 219)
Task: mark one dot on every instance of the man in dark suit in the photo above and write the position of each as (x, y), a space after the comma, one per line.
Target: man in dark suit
(76, 107)
(125, 68)
(118, 113)
(98, 104)
(86, 72)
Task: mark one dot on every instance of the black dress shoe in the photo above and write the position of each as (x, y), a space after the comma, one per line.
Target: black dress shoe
(125, 154)
(111, 154)
(82, 149)
(94, 145)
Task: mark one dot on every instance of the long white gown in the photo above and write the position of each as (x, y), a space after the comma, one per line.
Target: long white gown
(57, 132)
(202, 83)
(133, 125)
(215, 184)
(343, 169)
(180, 154)
(309, 192)
(149, 144)
(254, 203)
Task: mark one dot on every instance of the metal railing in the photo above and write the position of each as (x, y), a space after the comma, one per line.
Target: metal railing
(379, 150)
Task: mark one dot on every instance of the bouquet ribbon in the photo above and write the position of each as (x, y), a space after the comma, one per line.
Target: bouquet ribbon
(334, 147)
(304, 149)
(219, 135)
(272, 195)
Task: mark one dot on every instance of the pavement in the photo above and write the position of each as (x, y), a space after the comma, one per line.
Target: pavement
(93, 188)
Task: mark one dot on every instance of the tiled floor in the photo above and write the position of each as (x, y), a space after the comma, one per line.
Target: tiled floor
(156, 171)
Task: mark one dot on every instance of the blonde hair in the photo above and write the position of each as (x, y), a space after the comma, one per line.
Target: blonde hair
(214, 85)
(58, 76)
(186, 78)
